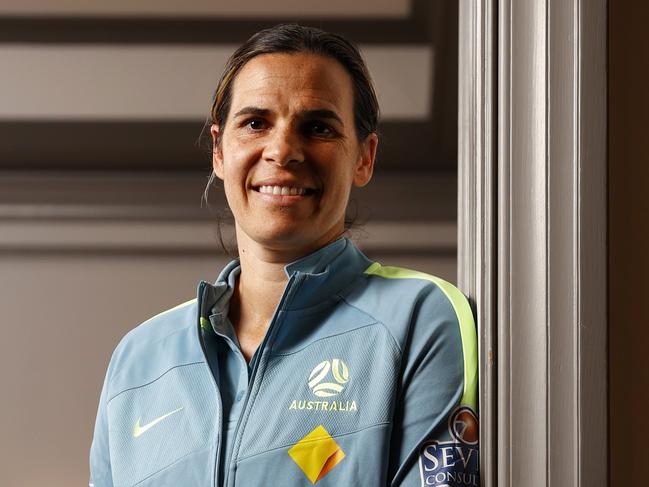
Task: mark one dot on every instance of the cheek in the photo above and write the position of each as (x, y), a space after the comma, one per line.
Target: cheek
(237, 161)
(338, 178)
(242, 151)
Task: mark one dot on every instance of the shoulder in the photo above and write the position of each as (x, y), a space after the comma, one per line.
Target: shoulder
(429, 316)
(422, 312)
(391, 293)
(162, 324)
(417, 280)
(165, 341)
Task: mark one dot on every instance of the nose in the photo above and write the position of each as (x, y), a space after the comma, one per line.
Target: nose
(283, 147)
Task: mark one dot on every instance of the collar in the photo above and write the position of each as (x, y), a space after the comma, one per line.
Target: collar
(317, 262)
(313, 279)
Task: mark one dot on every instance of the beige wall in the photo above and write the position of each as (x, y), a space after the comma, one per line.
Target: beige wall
(79, 83)
(628, 106)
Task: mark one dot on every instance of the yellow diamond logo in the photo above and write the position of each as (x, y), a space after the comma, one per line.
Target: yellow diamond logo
(316, 454)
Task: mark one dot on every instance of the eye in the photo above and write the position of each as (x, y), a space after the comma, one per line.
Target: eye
(320, 129)
(255, 124)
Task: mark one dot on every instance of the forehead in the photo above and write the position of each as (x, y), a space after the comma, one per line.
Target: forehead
(293, 81)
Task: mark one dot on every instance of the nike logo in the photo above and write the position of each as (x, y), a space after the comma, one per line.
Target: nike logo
(140, 430)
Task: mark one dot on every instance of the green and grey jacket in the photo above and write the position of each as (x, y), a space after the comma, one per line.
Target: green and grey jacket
(367, 376)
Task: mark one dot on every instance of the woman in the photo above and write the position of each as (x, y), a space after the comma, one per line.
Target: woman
(305, 362)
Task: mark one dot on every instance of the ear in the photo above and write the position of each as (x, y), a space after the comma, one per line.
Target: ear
(365, 165)
(217, 153)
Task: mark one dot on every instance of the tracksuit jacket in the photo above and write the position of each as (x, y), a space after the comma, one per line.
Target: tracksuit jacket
(366, 377)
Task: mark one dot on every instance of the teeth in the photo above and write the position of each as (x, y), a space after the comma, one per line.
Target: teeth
(282, 190)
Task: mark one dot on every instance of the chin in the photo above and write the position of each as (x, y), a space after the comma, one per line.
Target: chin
(295, 237)
(284, 240)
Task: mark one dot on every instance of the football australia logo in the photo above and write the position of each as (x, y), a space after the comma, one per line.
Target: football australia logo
(320, 381)
(327, 379)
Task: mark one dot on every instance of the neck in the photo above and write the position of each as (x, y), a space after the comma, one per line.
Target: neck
(257, 293)
(260, 286)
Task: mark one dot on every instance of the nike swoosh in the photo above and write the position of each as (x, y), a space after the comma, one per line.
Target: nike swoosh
(140, 430)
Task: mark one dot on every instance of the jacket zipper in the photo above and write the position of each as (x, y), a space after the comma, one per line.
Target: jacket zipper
(291, 288)
(219, 419)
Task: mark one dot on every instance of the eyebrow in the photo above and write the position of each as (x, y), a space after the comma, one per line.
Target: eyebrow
(308, 114)
(262, 112)
(323, 113)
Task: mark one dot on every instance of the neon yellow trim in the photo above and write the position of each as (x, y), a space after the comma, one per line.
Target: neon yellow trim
(464, 317)
(205, 324)
(186, 303)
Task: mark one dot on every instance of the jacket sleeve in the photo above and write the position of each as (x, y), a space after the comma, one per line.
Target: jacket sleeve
(100, 469)
(435, 432)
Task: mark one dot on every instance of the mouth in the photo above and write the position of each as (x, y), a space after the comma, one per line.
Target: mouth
(284, 190)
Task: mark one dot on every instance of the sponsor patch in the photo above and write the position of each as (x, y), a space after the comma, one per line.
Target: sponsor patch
(453, 463)
(316, 454)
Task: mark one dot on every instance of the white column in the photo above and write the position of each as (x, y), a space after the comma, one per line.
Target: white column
(532, 235)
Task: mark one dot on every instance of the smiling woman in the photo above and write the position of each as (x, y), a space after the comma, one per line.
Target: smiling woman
(289, 153)
(304, 362)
